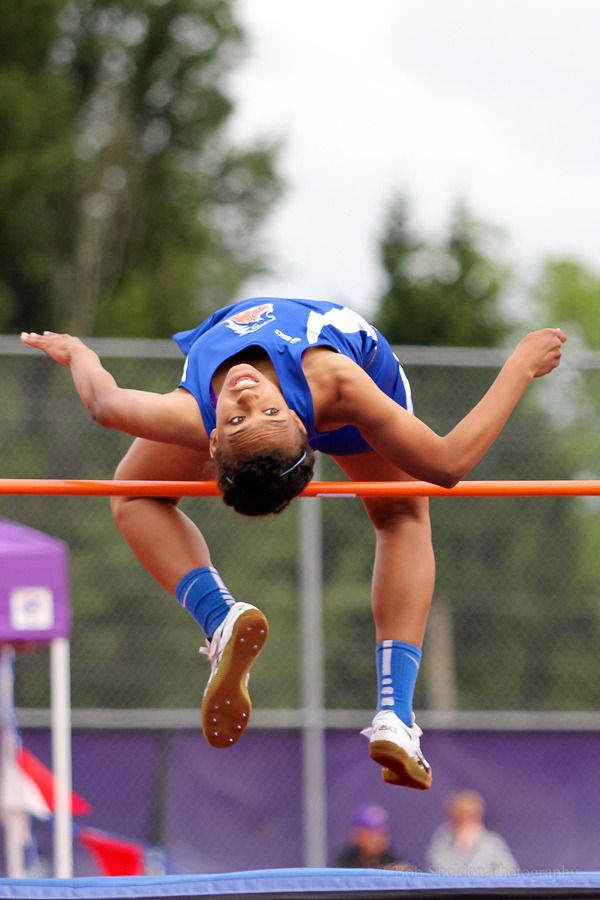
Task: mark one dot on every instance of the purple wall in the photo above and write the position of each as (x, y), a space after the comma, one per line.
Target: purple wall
(541, 790)
(218, 811)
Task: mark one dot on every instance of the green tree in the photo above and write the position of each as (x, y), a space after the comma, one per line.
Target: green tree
(568, 292)
(442, 293)
(36, 158)
(500, 584)
(127, 209)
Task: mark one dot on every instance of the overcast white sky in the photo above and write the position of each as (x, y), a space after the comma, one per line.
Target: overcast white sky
(494, 101)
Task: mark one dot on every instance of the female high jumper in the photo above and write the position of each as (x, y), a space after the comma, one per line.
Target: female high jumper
(266, 382)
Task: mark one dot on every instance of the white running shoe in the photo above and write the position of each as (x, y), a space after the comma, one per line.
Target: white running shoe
(235, 645)
(396, 747)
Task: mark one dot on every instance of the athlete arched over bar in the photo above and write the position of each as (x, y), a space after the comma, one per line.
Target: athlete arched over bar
(266, 382)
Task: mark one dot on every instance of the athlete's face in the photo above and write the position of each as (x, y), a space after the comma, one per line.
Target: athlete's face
(253, 416)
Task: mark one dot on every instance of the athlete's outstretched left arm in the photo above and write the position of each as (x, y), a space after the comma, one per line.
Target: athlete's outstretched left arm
(413, 446)
(170, 418)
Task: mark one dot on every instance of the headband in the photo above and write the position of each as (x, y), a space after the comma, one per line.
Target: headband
(281, 474)
(295, 466)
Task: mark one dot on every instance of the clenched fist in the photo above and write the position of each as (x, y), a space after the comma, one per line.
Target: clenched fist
(540, 351)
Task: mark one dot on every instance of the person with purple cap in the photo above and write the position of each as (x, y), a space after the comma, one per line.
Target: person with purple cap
(369, 840)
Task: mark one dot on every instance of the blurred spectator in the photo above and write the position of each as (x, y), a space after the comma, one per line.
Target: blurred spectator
(369, 840)
(464, 845)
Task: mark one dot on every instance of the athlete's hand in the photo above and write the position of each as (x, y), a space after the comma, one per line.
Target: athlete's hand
(540, 351)
(59, 347)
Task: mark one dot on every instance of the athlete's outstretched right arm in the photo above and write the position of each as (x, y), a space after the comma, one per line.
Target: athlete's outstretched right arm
(413, 446)
(172, 418)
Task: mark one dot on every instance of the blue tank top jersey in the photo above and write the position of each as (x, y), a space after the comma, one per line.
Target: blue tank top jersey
(285, 329)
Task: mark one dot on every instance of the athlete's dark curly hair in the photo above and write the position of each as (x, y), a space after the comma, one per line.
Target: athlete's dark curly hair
(264, 482)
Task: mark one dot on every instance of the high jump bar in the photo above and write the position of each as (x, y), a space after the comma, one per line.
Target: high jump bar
(65, 487)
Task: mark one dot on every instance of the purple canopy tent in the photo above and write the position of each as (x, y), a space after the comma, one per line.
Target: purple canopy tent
(34, 608)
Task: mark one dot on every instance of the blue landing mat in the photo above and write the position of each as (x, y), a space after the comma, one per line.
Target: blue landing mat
(279, 884)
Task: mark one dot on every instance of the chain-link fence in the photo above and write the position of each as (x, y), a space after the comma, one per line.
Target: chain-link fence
(516, 614)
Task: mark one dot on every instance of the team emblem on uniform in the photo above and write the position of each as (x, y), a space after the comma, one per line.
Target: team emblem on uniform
(252, 319)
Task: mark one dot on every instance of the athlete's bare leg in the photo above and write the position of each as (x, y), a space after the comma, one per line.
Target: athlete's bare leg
(402, 587)
(170, 546)
(166, 542)
(404, 568)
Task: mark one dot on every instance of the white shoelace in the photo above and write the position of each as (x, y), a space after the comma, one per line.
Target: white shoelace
(214, 657)
(210, 651)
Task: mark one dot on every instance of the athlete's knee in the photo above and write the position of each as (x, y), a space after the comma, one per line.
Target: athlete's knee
(398, 513)
(120, 508)
(126, 509)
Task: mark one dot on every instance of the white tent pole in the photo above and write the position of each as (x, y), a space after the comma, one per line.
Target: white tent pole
(60, 683)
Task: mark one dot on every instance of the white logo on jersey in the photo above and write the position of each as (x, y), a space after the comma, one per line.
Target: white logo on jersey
(344, 319)
(286, 337)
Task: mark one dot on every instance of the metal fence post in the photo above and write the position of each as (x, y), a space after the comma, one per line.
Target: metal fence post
(314, 785)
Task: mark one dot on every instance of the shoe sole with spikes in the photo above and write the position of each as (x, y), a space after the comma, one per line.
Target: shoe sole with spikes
(399, 767)
(226, 705)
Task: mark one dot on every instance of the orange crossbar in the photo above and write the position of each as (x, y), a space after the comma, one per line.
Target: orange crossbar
(91, 488)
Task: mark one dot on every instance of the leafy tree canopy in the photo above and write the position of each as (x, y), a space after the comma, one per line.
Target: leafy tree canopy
(569, 293)
(444, 292)
(127, 209)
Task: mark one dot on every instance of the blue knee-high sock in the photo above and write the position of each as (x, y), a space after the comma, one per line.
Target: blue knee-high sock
(202, 593)
(397, 670)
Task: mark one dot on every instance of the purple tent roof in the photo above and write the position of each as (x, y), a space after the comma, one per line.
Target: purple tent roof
(34, 585)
